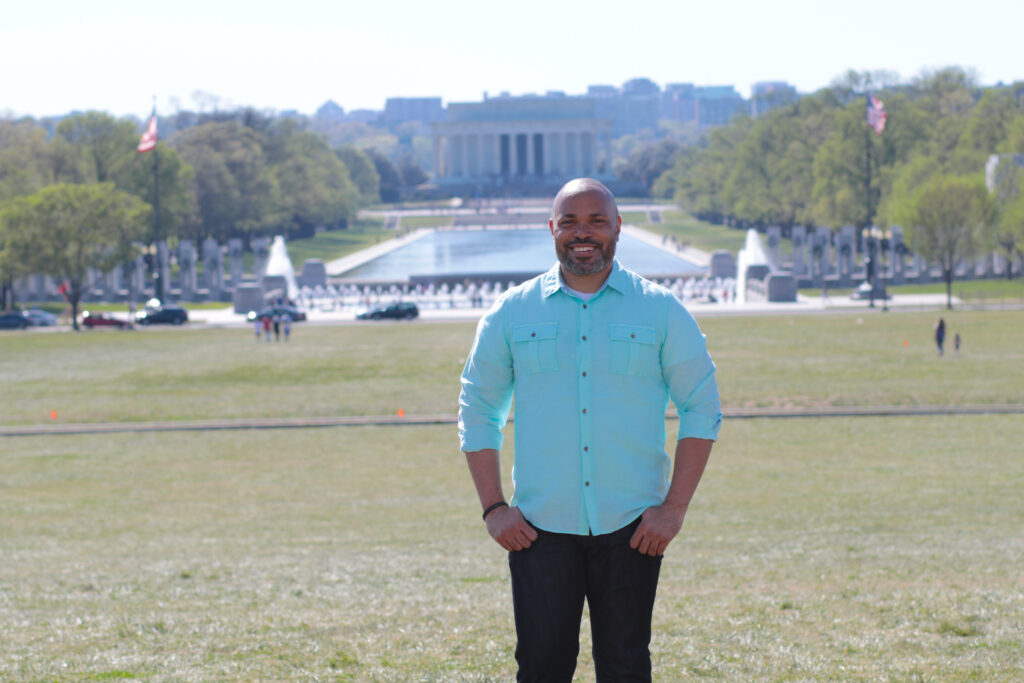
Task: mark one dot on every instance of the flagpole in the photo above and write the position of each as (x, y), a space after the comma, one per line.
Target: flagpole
(158, 275)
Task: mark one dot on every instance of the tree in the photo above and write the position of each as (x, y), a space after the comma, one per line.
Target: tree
(236, 191)
(646, 163)
(411, 172)
(390, 178)
(1009, 202)
(948, 217)
(177, 203)
(362, 172)
(315, 186)
(69, 230)
(105, 143)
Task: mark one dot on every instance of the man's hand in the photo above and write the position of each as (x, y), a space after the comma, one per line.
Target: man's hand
(658, 526)
(509, 529)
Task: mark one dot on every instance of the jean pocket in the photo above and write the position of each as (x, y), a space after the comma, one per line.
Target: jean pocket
(634, 350)
(535, 348)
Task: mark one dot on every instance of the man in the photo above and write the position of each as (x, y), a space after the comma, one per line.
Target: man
(591, 353)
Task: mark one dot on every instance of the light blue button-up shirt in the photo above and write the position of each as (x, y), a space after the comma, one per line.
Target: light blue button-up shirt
(591, 382)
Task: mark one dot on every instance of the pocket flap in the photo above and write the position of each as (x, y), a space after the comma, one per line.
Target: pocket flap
(534, 331)
(632, 333)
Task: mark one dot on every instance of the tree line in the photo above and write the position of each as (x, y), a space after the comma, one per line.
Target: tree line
(817, 162)
(231, 174)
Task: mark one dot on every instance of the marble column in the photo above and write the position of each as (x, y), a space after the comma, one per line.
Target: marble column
(799, 239)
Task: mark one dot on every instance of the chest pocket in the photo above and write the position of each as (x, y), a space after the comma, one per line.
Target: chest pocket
(634, 350)
(535, 348)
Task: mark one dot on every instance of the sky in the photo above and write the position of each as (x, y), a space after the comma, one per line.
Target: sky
(116, 56)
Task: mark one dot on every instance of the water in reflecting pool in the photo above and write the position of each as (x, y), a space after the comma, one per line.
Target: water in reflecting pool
(486, 252)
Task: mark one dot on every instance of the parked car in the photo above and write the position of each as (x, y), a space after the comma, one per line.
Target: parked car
(165, 314)
(40, 318)
(296, 314)
(400, 310)
(13, 321)
(93, 319)
(863, 291)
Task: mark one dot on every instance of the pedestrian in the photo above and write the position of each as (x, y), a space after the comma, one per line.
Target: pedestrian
(257, 324)
(592, 353)
(266, 325)
(940, 334)
(286, 321)
(956, 343)
(277, 327)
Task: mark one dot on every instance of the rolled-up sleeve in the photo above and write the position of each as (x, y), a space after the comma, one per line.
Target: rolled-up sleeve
(690, 376)
(486, 395)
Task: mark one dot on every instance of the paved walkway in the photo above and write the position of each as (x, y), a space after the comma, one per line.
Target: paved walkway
(411, 420)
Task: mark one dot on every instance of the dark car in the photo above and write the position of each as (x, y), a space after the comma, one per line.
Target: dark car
(93, 319)
(13, 321)
(296, 314)
(166, 314)
(39, 318)
(401, 310)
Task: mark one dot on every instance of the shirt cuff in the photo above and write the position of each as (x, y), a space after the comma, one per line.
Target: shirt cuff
(479, 438)
(697, 426)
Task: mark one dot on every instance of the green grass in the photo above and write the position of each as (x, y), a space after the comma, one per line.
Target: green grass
(969, 291)
(697, 233)
(333, 244)
(853, 549)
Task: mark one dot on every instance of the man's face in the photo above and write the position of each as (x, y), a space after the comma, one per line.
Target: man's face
(585, 227)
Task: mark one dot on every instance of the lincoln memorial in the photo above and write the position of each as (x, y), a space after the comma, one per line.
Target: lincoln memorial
(520, 144)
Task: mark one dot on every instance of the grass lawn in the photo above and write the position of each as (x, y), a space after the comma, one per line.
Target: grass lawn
(696, 233)
(969, 291)
(853, 549)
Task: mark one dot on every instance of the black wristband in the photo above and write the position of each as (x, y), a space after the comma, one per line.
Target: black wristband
(492, 508)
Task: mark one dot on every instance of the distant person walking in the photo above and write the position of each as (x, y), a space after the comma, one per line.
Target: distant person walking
(956, 343)
(257, 324)
(277, 327)
(940, 334)
(266, 326)
(286, 321)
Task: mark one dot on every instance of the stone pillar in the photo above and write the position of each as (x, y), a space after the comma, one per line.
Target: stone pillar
(571, 156)
(187, 268)
(847, 237)
(587, 154)
(213, 268)
(436, 159)
(774, 243)
(235, 262)
(530, 161)
(164, 268)
(899, 266)
(799, 239)
(260, 253)
(608, 154)
(481, 156)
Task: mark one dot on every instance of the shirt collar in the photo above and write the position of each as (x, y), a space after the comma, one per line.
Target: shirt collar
(552, 282)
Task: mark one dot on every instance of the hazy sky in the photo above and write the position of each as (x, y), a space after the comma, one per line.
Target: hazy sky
(115, 55)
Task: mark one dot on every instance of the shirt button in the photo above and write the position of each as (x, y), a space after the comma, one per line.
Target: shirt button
(586, 483)
(584, 411)
(584, 373)
(584, 337)
(632, 336)
(533, 334)
(584, 305)
(586, 448)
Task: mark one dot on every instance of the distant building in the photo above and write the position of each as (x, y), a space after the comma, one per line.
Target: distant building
(330, 111)
(521, 143)
(716, 105)
(678, 102)
(398, 110)
(768, 95)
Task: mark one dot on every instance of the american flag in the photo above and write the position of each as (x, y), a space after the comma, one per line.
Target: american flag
(148, 140)
(876, 114)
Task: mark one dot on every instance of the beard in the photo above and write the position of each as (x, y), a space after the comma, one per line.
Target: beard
(602, 257)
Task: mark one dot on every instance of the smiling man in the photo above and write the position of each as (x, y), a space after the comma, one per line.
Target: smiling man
(592, 353)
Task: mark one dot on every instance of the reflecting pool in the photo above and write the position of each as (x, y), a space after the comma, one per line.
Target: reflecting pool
(490, 252)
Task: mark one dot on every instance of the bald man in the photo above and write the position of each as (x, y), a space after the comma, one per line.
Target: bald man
(592, 353)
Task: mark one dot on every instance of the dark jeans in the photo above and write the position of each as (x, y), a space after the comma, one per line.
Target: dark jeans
(550, 581)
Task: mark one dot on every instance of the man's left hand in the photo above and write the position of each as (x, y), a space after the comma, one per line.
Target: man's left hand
(658, 526)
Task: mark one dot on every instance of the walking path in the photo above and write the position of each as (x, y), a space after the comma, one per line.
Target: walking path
(409, 420)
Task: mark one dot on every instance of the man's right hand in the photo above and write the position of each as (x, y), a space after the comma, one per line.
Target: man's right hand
(509, 529)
